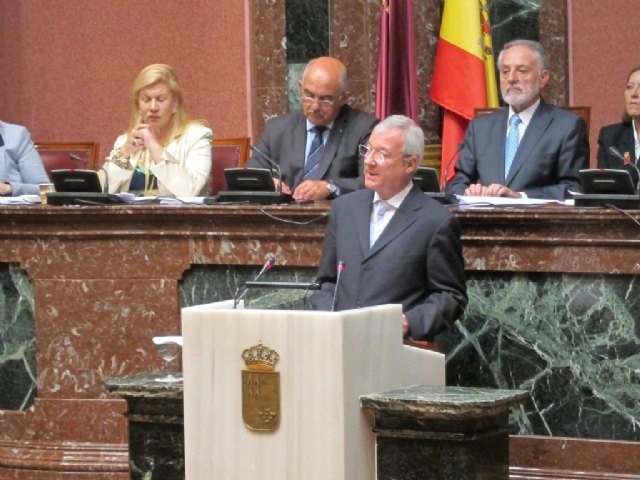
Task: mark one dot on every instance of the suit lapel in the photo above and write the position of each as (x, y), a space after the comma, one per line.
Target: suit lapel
(299, 148)
(538, 125)
(404, 217)
(499, 131)
(362, 220)
(628, 142)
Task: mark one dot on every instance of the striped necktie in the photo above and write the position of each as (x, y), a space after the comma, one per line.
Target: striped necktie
(311, 166)
(511, 146)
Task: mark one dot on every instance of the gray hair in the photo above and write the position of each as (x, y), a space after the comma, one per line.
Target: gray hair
(538, 50)
(413, 134)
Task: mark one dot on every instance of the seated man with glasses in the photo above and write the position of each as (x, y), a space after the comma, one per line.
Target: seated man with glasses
(316, 148)
(391, 243)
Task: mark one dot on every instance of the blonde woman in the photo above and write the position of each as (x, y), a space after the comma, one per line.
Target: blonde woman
(163, 152)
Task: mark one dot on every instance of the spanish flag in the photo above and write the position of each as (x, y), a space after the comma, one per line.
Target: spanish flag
(464, 73)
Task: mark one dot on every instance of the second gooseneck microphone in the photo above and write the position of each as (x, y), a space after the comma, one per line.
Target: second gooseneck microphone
(339, 268)
(268, 264)
(274, 166)
(76, 158)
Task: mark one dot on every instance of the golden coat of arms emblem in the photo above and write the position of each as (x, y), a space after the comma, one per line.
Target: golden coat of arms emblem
(260, 389)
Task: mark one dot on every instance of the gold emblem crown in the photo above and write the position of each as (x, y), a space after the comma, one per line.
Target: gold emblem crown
(260, 357)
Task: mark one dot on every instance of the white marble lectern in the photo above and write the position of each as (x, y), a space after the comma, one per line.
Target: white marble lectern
(327, 360)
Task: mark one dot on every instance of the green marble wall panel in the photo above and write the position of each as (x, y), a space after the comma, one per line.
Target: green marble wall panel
(17, 339)
(572, 341)
(206, 284)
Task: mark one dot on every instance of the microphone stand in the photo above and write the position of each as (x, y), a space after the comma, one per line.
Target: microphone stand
(340, 269)
(445, 180)
(616, 153)
(271, 260)
(76, 158)
(273, 164)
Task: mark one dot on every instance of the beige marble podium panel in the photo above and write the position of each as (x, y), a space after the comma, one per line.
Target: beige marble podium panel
(327, 360)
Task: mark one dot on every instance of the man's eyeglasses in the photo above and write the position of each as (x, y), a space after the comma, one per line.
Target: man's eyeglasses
(323, 101)
(377, 156)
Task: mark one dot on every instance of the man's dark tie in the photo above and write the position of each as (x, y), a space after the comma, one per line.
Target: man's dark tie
(315, 154)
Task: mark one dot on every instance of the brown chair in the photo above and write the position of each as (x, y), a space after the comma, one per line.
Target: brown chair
(74, 155)
(584, 112)
(432, 155)
(227, 153)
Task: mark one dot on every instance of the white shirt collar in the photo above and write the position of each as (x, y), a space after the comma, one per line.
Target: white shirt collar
(311, 125)
(636, 143)
(397, 199)
(526, 114)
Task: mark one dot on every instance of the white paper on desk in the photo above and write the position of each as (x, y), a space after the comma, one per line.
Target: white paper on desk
(126, 197)
(472, 201)
(20, 200)
(181, 201)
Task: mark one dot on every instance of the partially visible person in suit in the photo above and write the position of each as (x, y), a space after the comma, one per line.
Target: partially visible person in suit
(618, 145)
(531, 148)
(162, 152)
(317, 148)
(21, 168)
(398, 245)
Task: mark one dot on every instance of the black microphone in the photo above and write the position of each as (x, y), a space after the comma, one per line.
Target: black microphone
(452, 159)
(616, 153)
(272, 163)
(340, 269)
(76, 158)
(269, 262)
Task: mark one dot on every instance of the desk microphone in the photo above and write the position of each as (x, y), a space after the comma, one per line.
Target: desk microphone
(272, 163)
(616, 153)
(452, 160)
(269, 262)
(340, 269)
(76, 158)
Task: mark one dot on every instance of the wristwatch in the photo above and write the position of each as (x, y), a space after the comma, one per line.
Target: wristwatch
(334, 191)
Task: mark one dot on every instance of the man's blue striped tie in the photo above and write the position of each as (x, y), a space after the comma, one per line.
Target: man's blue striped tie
(311, 166)
(511, 146)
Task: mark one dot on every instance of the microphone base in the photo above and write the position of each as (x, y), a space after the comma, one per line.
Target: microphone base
(261, 198)
(82, 198)
(626, 202)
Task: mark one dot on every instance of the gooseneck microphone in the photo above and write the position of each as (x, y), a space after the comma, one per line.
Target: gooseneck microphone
(339, 268)
(616, 153)
(451, 161)
(274, 166)
(76, 158)
(268, 264)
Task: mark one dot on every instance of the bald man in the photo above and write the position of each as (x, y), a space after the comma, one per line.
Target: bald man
(317, 147)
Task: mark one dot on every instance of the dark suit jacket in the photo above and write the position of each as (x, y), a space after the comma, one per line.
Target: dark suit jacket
(620, 136)
(416, 262)
(284, 140)
(554, 148)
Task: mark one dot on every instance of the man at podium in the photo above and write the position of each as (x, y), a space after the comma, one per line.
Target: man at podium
(392, 244)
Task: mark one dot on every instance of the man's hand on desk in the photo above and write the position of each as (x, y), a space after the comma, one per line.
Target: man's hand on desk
(311, 190)
(5, 189)
(285, 187)
(493, 190)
